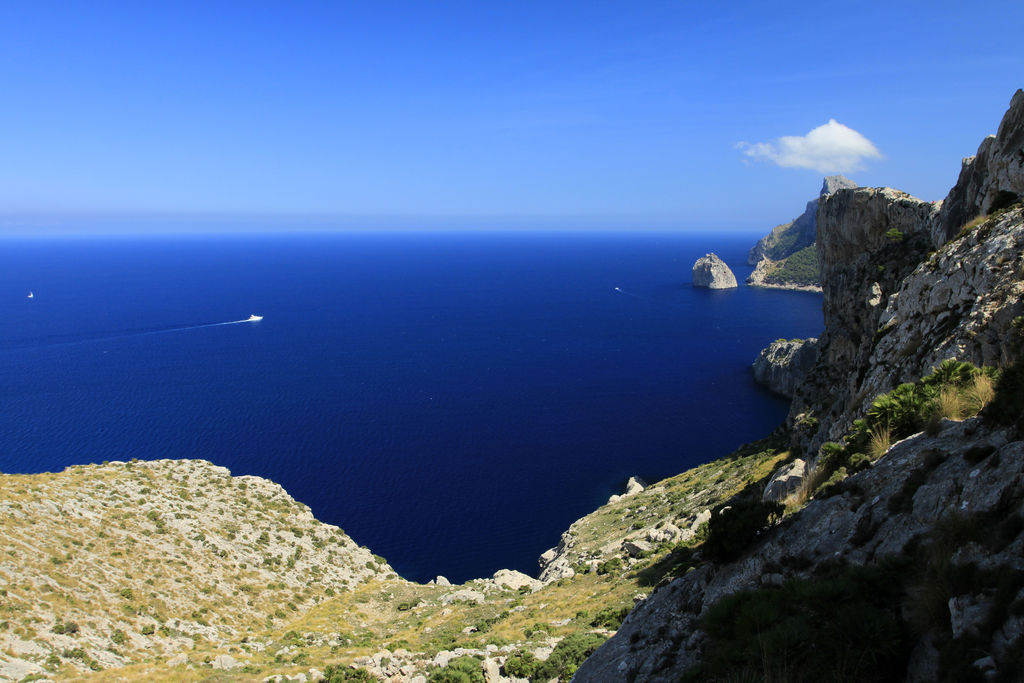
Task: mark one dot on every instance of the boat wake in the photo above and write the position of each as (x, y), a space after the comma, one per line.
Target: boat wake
(72, 340)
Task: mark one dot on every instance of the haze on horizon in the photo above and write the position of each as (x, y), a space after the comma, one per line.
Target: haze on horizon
(666, 114)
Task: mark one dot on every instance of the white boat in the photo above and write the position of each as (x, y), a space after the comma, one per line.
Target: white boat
(254, 318)
(31, 295)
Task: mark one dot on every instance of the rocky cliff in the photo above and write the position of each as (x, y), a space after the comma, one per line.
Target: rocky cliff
(783, 365)
(992, 178)
(785, 258)
(710, 271)
(891, 561)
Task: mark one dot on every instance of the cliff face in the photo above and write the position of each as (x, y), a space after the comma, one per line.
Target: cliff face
(869, 239)
(997, 167)
(794, 240)
(892, 311)
(783, 365)
(800, 232)
(938, 518)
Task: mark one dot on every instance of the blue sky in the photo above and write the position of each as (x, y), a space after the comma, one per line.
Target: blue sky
(540, 113)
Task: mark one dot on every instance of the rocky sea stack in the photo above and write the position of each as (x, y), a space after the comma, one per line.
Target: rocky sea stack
(711, 272)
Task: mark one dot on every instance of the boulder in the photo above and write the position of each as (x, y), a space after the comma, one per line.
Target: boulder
(786, 481)
(711, 272)
(464, 595)
(508, 578)
(226, 663)
(636, 548)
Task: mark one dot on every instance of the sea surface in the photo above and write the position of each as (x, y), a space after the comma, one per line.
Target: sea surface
(453, 400)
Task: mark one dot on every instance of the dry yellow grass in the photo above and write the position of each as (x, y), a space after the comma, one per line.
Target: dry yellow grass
(980, 393)
(950, 404)
(878, 445)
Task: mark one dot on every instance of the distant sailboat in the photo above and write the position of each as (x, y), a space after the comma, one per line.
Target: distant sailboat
(31, 295)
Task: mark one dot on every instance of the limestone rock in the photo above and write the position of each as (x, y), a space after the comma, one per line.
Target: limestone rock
(711, 272)
(784, 364)
(179, 659)
(515, 580)
(633, 487)
(636, 548)
(464, 595)
(226, 663)
(441, 581)
(869, 239)
(785, 481)
(997, 167)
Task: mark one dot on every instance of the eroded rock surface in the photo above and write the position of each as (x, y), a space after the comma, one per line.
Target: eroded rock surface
(783, 364)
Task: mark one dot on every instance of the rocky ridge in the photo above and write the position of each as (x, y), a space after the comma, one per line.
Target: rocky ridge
(710, 271)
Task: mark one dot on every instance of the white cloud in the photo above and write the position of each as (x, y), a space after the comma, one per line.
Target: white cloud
(831, 148)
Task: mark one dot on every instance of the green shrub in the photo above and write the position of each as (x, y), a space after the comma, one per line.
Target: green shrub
(523, 665)
(894, 235)
(461, 670)
(567, 656)
(610, 566)
(903, 410)
(732, 528)
(801, 267)
(610, 617)
(338, 673)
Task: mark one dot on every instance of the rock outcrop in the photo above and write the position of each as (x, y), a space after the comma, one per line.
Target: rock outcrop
(783, 365)
(883, 512)
(998, 167)
(712, 272)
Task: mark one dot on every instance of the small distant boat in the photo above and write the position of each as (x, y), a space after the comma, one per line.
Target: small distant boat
(254, 318)
(31, 295)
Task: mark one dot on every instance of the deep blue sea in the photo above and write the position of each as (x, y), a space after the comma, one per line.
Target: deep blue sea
(453, 400)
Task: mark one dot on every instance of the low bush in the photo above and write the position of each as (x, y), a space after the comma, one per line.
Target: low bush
(842, 626)
(732, 528)
(460, 670)
(338, 673)
(610, 617)
(567, 656)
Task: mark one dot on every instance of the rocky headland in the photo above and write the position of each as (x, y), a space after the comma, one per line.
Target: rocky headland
(877, 535)
(785, 258)
(712, 272)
